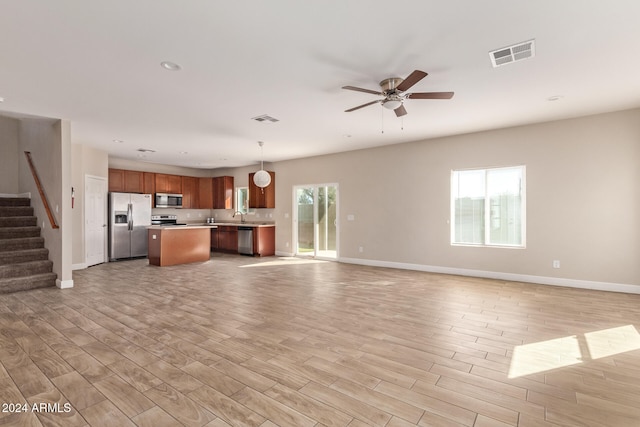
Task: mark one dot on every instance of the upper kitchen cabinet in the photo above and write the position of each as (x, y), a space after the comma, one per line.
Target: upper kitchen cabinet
(223, 192)
(171, 184)
(262, 197)
(205, 193)
(125, 181)
(148, 182)
(189, 192)
(116, 180)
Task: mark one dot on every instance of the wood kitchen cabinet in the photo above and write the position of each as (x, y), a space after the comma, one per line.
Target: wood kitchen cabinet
(171, 184)
(189, 192)
(148, 182)
(116, 180)
(133, 182)
(214, 239)
(125, 181)
(205, 193)
(223, 192)
(228, 238)
(264, 241)
(262, 197)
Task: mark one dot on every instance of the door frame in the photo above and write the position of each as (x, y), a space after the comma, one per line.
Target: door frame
(315, 220)
(86, 217)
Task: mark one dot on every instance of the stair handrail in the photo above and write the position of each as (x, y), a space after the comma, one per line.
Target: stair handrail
(43, 196)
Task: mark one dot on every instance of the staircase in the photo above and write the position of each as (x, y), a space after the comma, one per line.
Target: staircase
(24, 261)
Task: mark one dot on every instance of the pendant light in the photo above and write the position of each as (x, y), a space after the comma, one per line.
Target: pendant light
(262, 178)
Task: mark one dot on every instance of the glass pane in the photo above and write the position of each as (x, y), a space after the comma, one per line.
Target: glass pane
(242, 199)
(326, 208)
(504, 189)
(468, 188)
(305, 244)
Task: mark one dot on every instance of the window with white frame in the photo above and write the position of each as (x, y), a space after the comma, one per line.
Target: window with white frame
(242, 199)
(488, 207)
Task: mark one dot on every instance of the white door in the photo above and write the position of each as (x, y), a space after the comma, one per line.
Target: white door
(95, 219)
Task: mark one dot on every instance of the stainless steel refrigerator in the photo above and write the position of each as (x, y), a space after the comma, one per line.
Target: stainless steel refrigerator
(129, 217)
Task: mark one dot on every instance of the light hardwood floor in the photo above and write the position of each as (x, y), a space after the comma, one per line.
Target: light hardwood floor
(286, 342)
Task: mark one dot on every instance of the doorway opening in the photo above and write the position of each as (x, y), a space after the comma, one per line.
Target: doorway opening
(315, 212)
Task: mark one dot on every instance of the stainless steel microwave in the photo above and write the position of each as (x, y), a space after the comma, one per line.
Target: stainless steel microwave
(164, 200)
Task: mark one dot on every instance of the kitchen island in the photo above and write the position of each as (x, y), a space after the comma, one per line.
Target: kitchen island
(179, 244)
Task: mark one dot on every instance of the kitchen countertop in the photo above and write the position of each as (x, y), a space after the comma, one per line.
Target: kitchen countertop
(238, 224)
(185, 227)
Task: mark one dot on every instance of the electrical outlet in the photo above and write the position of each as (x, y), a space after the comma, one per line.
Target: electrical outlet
(556, 263)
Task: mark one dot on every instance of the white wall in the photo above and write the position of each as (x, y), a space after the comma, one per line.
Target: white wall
(583, 200)
(49, 142)
(85, 161)
(9, 146)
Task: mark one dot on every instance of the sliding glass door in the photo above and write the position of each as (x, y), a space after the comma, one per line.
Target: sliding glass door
(316, 220)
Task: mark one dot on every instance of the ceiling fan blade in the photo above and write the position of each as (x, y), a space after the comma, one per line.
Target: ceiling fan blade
(359, 89)
(361, 106)
(430, 95)
(400, 111)
(412, 79)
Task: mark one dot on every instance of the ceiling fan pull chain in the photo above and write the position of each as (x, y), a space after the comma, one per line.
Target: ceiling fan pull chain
(382, 120)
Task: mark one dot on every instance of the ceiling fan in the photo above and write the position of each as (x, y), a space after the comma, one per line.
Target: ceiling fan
(395, 89)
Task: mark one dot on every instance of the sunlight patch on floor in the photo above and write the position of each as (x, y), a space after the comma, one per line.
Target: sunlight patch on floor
(608, 342)
(544, 356)
(566, 351)
(285, 261)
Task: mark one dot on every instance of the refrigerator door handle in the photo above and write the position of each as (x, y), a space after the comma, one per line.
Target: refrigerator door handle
(130, 216)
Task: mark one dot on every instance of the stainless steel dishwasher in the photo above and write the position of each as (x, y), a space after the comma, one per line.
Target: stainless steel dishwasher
(245, 240)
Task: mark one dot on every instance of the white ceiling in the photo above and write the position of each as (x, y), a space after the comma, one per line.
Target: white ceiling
(97, 64)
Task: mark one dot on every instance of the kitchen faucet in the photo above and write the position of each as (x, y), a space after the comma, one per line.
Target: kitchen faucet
(242, 221)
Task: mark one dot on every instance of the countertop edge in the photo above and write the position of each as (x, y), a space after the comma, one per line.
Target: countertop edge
(178, 227)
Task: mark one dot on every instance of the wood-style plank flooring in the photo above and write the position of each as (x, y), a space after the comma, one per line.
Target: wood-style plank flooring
(287, 342)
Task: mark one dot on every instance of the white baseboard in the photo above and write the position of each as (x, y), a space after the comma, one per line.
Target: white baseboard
(542, 280)
(64, 284)
(280, 253)
(80, 266)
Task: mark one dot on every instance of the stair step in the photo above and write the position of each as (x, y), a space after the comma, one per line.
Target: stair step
(17, 232)
(15, 201)
(16, 211)
(26, 269)
(35, 281)
(18, 221)
(21, 243)
(25, 255)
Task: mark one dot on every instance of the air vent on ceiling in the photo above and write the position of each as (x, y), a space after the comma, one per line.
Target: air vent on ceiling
(510, 54)
(146, 150)
(265, 118)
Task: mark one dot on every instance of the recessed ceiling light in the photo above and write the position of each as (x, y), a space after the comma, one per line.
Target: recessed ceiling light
(118, 141)
(171, 66)
(184, 152)
(554, 98)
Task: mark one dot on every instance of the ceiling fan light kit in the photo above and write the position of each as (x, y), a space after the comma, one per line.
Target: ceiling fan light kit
(394, 90)
(261, 178)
